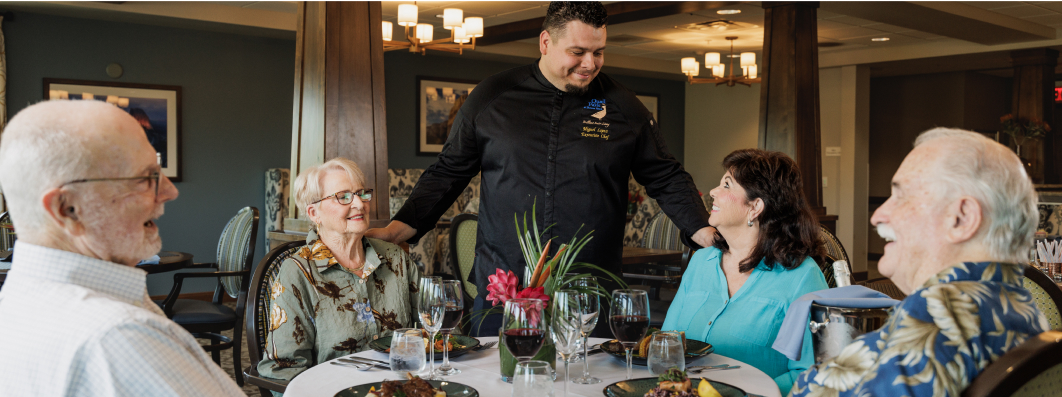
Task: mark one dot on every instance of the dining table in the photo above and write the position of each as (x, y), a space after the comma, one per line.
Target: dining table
(481, 370)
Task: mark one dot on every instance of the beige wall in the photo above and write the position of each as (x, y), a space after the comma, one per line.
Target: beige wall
(719, 120)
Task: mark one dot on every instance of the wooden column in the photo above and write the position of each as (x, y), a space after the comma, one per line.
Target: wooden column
(789, 93)
(339, 108)
(1034, 89)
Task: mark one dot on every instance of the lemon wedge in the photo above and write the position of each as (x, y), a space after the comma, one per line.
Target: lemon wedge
(705, 389)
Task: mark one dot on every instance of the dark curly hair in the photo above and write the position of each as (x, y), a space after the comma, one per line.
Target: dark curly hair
(788, 230)
(558, 15)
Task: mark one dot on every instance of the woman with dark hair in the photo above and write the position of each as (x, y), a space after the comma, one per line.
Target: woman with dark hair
(734, 295)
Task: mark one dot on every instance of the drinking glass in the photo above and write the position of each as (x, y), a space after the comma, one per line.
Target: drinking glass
(407, 352)
(524, 328)
(455, 308)
(533, 378)
(566, 327)
(629, 319)
(665, 352)
(589, 306)
(430, 306)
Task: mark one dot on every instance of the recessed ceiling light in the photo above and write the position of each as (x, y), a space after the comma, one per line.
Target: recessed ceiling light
(880, 39)
(728, 12)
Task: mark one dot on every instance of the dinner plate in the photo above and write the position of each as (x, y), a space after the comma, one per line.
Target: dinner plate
(638, 387)
(694, 349)
(462, 344)
(452, 389)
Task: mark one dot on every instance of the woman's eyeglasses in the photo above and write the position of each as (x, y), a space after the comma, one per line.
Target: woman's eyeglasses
(347, 197)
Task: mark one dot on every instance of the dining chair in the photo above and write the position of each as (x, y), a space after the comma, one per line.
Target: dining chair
(885, 286)
(1033, 368)
(834, 251)
(205, 319)
(257, 315)
(463, 252)
(660, 233)
(1046, 295)
(7, 236)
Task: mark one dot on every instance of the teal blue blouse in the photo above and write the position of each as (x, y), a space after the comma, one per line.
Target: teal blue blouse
(744, 326)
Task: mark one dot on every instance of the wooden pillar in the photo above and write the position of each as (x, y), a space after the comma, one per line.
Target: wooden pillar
(789, 93)
(339, 108)
(1034, 88)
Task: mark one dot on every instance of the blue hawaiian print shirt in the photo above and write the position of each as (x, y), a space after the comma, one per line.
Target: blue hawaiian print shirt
(937, 340)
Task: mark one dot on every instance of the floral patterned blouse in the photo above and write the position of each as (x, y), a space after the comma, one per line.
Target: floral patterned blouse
(937, 340)
(320, 310)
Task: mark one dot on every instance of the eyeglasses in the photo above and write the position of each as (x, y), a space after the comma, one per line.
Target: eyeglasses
(347, 197)
(155, 176)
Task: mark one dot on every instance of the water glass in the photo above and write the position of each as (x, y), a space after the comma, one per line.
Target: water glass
(533, 378)
(589, 306)
(407, 352)
(566, 327)
(665, 352)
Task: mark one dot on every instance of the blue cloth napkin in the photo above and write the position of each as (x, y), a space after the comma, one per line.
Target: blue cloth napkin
(790, 337)
(154, 260)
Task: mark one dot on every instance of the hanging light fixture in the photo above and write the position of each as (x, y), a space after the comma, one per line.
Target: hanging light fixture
(463, 31)
(747, 62)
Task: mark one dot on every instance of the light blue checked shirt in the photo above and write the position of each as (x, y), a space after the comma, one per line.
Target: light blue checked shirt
(71, 325)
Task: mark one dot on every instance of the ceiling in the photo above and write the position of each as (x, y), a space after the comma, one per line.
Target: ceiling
(915, 30)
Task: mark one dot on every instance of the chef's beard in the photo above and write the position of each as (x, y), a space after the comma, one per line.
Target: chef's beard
(576, 90)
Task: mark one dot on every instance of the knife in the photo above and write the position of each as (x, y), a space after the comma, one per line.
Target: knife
(364, 360)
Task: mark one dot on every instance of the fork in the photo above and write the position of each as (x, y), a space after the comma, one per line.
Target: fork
(712, 368)
(486, 346)
(359, 367)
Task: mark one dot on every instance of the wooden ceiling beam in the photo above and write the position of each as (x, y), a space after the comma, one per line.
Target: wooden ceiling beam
(619, 12)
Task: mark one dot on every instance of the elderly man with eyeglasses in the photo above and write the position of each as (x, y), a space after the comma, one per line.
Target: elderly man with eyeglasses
(84, 191)
(342, 290)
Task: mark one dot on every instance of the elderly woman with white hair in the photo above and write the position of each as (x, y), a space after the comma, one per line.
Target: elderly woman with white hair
(343, 289)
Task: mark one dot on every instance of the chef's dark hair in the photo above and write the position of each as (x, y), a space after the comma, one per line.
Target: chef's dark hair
(561, 12)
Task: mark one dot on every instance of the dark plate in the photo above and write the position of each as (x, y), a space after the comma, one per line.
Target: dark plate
(452, 389)
(467, 343)
(616, 350)
(638, 387)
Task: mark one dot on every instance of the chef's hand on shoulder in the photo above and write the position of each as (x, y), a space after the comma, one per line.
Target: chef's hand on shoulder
(704, 237)
(395, 232)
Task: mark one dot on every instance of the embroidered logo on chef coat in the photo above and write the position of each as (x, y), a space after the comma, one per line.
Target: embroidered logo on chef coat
(595, 128)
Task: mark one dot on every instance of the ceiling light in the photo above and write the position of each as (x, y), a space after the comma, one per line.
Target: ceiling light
(420, 36)
(880, 39)
(728, 12)
(749, 73)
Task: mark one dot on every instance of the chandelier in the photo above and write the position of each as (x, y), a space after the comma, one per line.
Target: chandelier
(691, 68)
(463, 31)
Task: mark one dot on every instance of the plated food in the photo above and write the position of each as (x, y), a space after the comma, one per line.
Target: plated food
(674, 383)
(414, 387)
(694, 349)
(459, 344)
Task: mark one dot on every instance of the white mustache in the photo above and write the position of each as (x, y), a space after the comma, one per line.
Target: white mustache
(886, 232)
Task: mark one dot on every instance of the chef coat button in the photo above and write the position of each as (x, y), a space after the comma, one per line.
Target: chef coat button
(551, 157)
(549, 194)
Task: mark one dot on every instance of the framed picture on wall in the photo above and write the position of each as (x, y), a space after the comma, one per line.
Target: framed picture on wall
(437, 102)
(650, 101)
(156, 107)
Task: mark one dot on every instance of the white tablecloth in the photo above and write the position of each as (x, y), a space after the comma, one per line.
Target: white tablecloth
(482, 371)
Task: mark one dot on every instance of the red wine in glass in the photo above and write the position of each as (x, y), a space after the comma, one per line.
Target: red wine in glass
(629, 330)
(524, 342)
(452, 317)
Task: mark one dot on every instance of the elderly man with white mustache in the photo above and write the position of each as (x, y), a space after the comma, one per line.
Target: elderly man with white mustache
(959, 224)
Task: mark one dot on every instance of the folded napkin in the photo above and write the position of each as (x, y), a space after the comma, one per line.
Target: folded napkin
(790, 337)
(154, 260)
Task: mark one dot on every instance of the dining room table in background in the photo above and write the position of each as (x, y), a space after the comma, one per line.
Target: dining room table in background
(481, 370)
(168, 261)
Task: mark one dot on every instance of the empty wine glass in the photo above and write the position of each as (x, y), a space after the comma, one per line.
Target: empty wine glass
(589, 307)
(431, 307)
(566, 327)
(525, 328)
(629, 319)
(455, 309)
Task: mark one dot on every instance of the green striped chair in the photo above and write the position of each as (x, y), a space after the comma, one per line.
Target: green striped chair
(1032, 369)
(1046, 295)
(207, 319)
(463, 252)
(257, 316)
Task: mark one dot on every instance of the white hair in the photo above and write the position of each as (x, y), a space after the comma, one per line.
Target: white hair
(307, 192)
(994, 176)
(44, 146)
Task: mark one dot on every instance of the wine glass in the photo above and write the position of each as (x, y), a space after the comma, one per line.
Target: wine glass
(524, 327)
(454, 300)
(589, 306)
(567, 326)
(431, 307)
(629, 319)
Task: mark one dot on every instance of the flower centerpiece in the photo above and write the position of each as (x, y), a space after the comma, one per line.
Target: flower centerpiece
(543, 276)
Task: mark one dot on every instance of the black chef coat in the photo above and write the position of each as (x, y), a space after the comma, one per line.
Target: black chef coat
(570, 154)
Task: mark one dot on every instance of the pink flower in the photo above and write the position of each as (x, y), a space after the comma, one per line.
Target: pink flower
(502, 287)
(534, 293)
